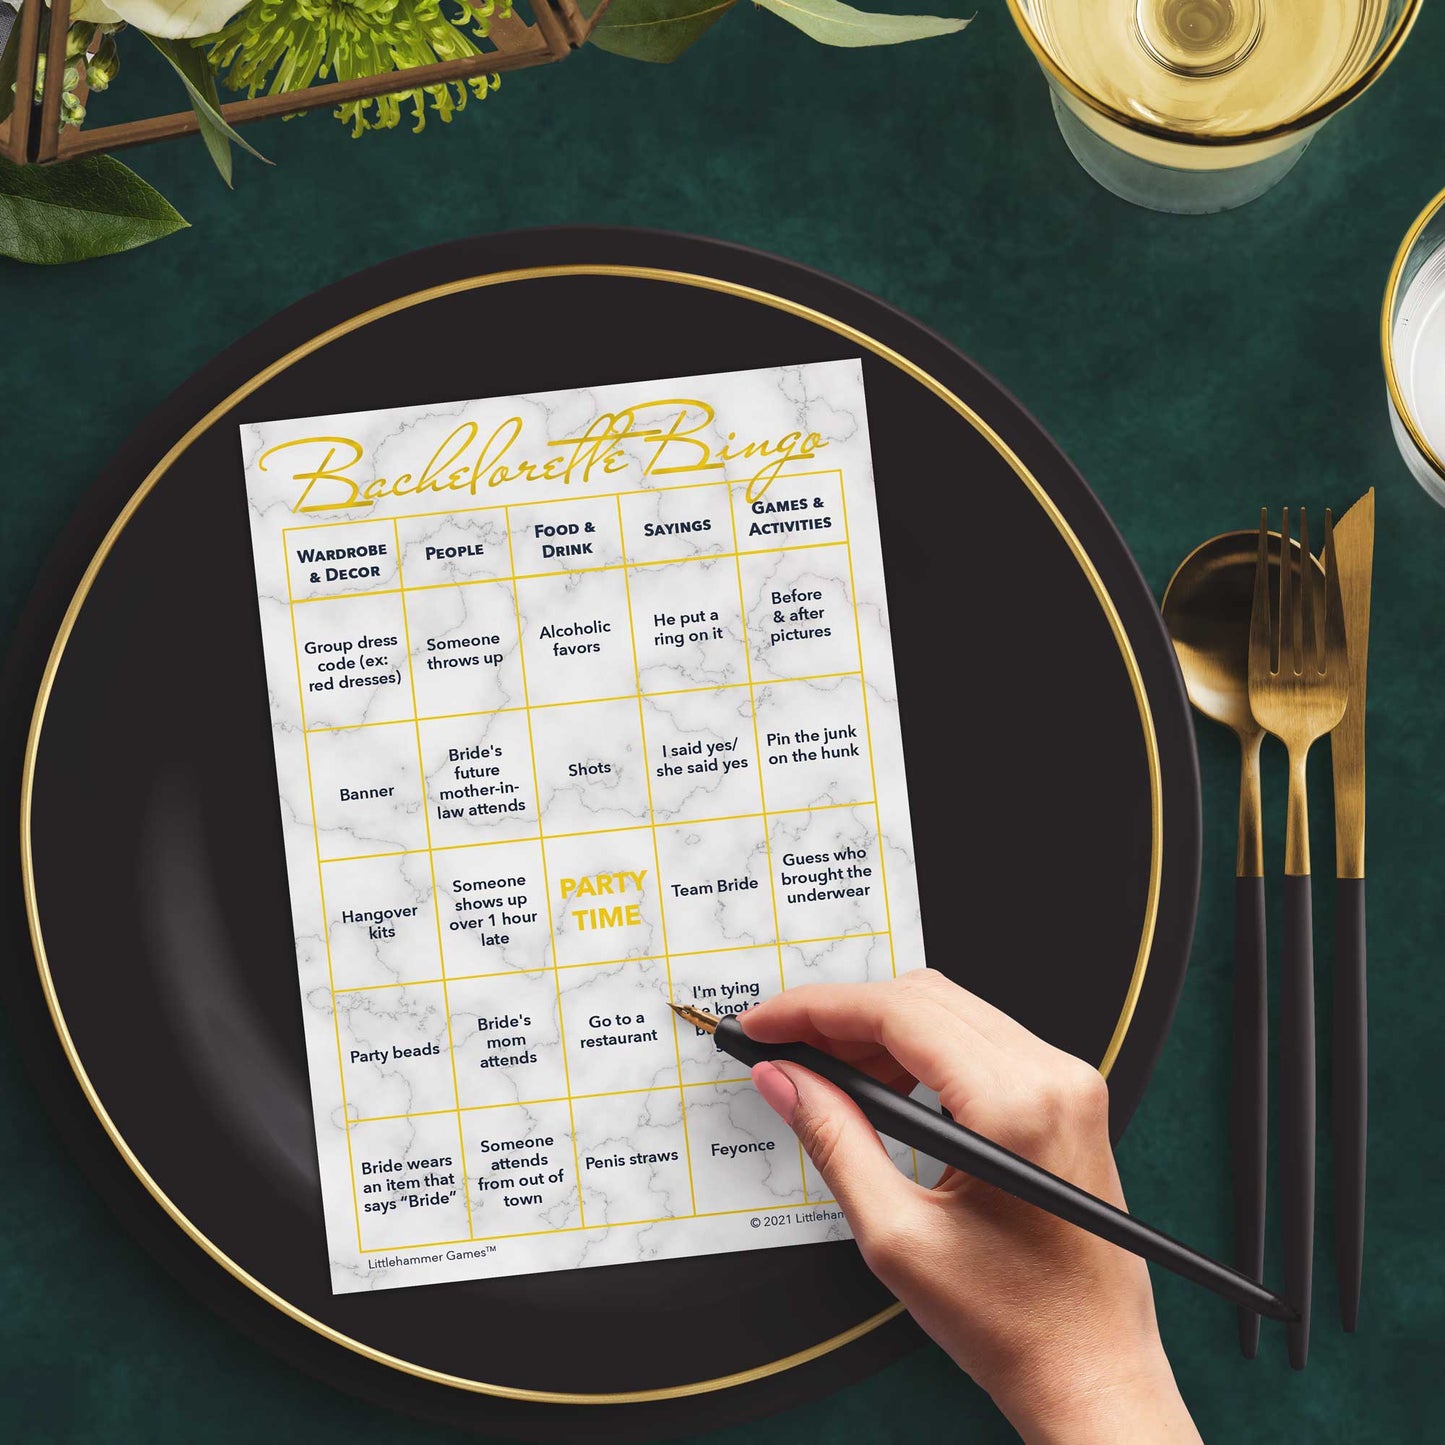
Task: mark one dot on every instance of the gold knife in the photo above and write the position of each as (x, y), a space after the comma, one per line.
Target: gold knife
(1354, 551)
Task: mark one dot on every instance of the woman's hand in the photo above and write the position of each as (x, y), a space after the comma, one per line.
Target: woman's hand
(1056, 1325)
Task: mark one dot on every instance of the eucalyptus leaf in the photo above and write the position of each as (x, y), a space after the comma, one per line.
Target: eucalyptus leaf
(200, 82)
(834, 23)
(89, 207)
(657, 30)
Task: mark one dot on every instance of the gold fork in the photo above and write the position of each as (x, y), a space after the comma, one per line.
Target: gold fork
(1298, 688)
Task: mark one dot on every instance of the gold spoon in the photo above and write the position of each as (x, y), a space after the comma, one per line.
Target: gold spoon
(1207, 608)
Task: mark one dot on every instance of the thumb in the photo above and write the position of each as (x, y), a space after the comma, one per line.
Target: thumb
(843, 1145)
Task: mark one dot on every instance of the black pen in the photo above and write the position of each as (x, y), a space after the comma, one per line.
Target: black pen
(936, 1135)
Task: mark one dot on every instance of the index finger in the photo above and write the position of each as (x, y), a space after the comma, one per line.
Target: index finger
(904, 1016)
(1005, 1033)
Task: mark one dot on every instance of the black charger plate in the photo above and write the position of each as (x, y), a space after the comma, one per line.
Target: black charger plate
(1051, 770)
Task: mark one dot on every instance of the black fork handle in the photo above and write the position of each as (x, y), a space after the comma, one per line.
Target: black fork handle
(1249, 1109)
(1297, 1110)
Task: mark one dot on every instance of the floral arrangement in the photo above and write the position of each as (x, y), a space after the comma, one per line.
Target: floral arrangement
(95, 206)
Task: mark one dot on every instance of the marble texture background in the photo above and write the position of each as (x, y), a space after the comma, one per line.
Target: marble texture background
(582, 704)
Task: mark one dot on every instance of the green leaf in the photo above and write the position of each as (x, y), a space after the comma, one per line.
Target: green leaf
(89, 207)
(196, 74)
(657, 30)
(834, 23)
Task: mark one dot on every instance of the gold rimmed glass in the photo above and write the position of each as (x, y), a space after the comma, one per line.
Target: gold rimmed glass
(1412, 338)
(1195, 106)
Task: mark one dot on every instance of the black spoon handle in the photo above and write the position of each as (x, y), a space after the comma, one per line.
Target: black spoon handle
(1249, 1093)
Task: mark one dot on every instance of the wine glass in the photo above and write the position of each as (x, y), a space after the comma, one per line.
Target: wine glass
(1412, 338)
(1194, 106)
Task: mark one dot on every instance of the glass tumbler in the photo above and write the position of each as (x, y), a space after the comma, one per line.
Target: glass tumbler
(1412, 338)
(1195, 106)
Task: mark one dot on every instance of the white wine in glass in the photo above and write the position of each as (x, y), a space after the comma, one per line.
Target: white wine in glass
(1200, 105)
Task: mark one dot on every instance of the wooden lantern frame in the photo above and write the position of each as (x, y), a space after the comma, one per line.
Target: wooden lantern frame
(33, 135)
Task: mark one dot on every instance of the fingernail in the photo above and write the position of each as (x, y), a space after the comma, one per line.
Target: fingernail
(777, 1088)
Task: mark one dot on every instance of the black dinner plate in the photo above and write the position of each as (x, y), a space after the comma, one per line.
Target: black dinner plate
(1051, 773)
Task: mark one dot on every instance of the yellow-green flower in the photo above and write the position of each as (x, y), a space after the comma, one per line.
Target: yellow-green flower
(284, 45)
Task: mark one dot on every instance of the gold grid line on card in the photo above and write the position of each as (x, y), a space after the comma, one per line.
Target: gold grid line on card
(872, 771)
(872, 763)
(355, 596)
(557, 1099)
(541, 836)
(392, 1118)
(657, 862)
(432, 873)
(762, 791)
(325, 926)
(546, 883)
(570, 702)
(555, 572)
(596, 832)
(608, 962)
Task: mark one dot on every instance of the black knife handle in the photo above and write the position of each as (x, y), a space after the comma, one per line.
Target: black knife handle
(1297, 1110)
(1351, 1031)
(1249, 1096)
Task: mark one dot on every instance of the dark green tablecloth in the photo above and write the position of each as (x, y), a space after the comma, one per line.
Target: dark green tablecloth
(1193, 369)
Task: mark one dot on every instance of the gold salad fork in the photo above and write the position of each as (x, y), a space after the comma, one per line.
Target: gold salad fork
(1298, 687)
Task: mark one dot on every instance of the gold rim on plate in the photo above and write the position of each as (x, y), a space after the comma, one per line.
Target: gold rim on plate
(1379, 63)
(72, 613)
(1387, 326)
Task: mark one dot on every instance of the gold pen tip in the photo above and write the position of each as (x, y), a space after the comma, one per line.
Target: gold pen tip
(695, 1016)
